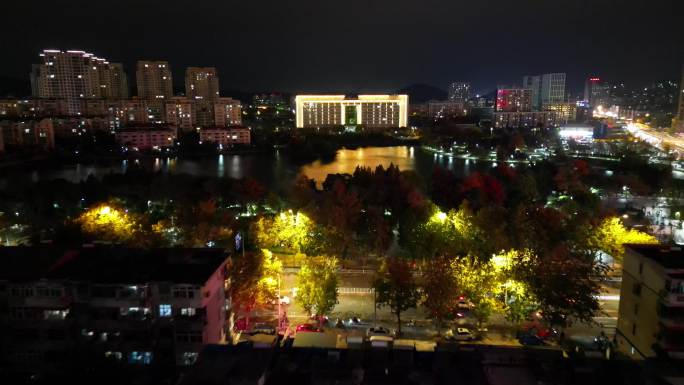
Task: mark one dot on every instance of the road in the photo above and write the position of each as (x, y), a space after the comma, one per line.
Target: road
(658, 139)
(356, 299)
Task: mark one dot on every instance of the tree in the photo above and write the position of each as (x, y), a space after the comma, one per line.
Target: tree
(515, 295)
(108, 222)
(445, 233)
(396, 288)
(317, 285)
(287, 230)
(342, 210)
(252, 282)
(440, 289)
(611, 236)
(477, 281)
(204, 222)
(566, 284)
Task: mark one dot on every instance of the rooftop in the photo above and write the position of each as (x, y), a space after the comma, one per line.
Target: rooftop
(110, 264)
(668, 257)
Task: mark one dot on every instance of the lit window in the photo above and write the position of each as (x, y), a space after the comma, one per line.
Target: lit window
(188, 311)
(189, 358)
(140, 358)
(55, 314)
(165, 310)
(115, 355)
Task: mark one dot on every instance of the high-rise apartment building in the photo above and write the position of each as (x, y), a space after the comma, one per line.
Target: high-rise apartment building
(201, 83)
(513, 99)
(596, 92)
(527, 119)
(179, 113)
(459, 91)
(154, 80)
(650, 316)
(552, 88)
(533, 83)
(545, 89)
(113, 82)
(227, 112)
(77, 75)
(371, 111)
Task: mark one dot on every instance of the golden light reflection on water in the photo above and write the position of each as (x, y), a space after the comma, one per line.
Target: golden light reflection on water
(371, 157)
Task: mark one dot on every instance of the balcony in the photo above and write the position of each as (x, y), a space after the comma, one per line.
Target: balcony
(672, 323)
(673, 299)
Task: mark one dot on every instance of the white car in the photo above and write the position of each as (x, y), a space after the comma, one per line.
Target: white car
(460, 334)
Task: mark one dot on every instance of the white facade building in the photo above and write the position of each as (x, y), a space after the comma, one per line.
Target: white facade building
(371, 111)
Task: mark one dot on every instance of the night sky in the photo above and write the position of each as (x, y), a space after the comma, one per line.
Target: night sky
(359, 45)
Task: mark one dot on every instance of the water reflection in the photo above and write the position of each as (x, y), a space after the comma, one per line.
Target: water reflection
(236, 168)
(221, 169)
(371, 157)
(274, 170)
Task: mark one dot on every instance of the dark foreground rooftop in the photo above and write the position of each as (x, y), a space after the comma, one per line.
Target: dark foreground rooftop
(109, 264)
(454, 364)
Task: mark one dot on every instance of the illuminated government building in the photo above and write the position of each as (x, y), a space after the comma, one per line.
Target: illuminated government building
(369, 111)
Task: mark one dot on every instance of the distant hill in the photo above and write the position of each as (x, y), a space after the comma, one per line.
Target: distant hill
(14, 88)
(420, 93)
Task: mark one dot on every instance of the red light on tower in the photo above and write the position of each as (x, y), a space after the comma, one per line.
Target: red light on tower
(594, 79)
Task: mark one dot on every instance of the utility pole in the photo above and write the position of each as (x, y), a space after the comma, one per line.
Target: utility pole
(280, 316)
(375, 308)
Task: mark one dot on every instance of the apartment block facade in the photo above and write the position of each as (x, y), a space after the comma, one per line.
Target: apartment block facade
(459, 92)
(225, 136)
(201, 83)
(545, 89)
(35, 133)
(513, 99)
(138, 307)
(651, 314)
(146, 137)
(76, 75)
(528, 119)
(154, 80)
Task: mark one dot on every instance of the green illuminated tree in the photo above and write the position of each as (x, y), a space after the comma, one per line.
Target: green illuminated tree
(477, 281)
(611, 236)
(287, 230)
(253, 281)
(109, 222)
(396, 288)
(317, 285)
(514, 294)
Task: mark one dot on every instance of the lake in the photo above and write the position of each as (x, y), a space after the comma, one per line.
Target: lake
(274, 169)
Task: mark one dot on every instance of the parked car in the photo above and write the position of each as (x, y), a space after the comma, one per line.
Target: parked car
(322, 319)
(460, 334)
(308, 328)
(464, 304)
(537, 329)
(527, 339)
(355, 322)
(377, 331)
(380, 341)
(263, 328)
